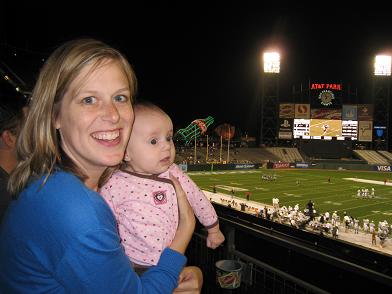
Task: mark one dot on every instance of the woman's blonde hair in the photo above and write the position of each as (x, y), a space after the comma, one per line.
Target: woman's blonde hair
(38, 148)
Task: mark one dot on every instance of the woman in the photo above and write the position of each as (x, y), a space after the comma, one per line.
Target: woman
(59, 235)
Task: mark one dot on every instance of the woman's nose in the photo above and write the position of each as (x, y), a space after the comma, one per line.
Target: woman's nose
(110, 112)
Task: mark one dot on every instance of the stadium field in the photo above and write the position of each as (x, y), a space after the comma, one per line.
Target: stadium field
(299, 186)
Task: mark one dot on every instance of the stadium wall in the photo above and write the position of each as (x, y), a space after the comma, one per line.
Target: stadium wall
(341, 166)
(317, 164)
(217, 167)
(328, 164)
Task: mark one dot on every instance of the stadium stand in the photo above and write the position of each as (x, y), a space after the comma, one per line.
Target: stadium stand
(236, 155)
(286, 154)
(256, 154)
(372, 157)
(386, 154)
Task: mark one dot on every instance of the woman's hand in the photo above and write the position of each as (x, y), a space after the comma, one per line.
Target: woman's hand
(190, 280)
(186, 223)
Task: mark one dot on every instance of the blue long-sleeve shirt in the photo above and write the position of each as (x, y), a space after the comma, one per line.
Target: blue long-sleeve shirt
(62, 238)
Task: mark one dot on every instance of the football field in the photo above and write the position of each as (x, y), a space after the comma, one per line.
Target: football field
(299, 186)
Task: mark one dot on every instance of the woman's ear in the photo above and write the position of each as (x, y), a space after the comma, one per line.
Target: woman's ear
(57, 123)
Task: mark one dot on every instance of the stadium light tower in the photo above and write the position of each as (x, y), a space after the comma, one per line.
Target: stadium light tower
(269, 98)
(382, 65)
(381, 93)
(271, 62)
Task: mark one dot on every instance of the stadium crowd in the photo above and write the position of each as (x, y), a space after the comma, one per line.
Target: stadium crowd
(325, 223)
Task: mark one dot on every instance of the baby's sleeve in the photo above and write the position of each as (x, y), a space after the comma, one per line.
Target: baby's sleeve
(202, 207)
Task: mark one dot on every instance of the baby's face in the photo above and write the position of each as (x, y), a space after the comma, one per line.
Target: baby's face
(151, 149)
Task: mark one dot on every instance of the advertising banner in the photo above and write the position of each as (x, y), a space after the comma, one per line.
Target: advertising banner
(281, 165)
(365, 131)
(349, 112)
(384, 168)
(302, 110)
(286, 110)
(302, 165)
(246, 166)
(285, 128)
(322, 113)
(365, 112)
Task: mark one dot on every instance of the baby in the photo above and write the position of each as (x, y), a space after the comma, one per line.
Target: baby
(142, 196)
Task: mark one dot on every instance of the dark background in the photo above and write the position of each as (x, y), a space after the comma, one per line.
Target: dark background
(197, 58)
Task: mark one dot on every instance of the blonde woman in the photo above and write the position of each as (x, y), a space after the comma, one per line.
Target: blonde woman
(60, 236)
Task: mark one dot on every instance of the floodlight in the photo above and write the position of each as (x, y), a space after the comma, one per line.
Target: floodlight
(271, 62)
(382, 65)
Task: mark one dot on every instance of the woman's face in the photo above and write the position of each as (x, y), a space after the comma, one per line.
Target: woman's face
(96, 117)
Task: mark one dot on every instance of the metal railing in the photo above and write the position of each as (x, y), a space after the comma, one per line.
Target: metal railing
(279, 259)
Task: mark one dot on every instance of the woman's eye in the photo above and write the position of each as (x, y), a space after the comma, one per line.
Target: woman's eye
(153, 141)
(169, 139)
(89, 100)
(121, 98)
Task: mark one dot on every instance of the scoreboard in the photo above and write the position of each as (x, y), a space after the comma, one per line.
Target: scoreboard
(301, 128)
(350, 129)
(325, 129)
(325, 118)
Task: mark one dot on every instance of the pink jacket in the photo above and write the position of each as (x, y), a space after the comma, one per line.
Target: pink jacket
(147, 213)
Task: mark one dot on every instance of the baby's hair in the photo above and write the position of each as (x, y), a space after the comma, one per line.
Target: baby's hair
(148, 105)
(138, 106)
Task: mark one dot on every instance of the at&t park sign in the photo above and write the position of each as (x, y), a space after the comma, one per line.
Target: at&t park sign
(326, 92)
(319, 86)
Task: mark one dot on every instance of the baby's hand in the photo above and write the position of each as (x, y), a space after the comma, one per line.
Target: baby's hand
(214, 238)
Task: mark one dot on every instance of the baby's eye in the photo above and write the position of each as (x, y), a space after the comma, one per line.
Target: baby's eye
(169, 138)
(121, 98)
(153, 141)
(89, 100)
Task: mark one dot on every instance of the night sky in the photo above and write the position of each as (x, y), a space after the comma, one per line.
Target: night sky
(203, 58)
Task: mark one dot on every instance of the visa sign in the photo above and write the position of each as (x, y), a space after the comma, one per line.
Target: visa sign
(384, 168)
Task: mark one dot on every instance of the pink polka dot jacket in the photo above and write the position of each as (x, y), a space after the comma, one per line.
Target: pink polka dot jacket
(146, 211)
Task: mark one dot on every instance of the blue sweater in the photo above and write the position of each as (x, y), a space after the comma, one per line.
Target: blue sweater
(62, 238)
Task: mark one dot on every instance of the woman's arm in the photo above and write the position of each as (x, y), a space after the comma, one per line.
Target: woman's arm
(186, 224)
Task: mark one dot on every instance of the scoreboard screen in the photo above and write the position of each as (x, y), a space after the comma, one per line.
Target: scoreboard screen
(301, 128)
(350, 129)
(325, 127)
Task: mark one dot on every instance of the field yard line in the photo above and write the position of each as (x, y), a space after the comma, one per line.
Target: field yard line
(348, 200)
(337, 189)
(315, 200)
(327, 197)
(369, 205)
(378, 213)
(368, 181)
(382, 212)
